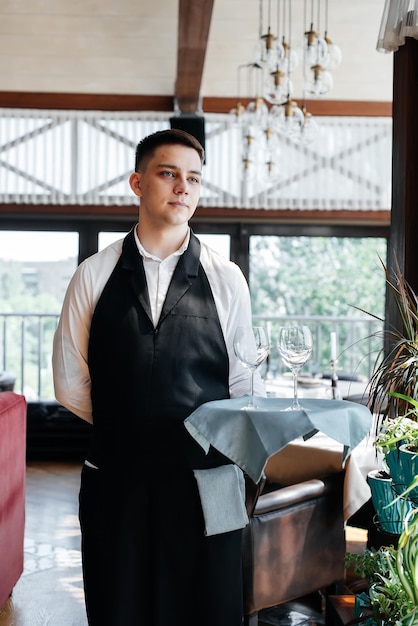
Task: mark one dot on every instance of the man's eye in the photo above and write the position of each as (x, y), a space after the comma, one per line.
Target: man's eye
(195, 180)
(167, 173)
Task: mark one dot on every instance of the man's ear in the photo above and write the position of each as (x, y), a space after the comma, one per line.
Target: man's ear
(135, 183)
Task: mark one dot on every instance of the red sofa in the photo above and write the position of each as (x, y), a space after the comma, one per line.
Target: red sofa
(12, 489)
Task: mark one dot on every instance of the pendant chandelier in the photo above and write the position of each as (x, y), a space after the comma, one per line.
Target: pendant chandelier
(266, 83)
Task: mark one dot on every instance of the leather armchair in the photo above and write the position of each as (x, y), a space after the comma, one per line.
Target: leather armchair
(294, 544)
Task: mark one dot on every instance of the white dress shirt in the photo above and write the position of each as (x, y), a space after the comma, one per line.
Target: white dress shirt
(159, 273)
(69, 359)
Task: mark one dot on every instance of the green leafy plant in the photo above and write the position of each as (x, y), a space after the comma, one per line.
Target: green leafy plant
(395, 373)
(392, 577)
(392, 573)
(393, 432)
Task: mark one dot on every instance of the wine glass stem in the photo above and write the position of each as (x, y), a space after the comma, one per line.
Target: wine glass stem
(251, 403)
(295, 386)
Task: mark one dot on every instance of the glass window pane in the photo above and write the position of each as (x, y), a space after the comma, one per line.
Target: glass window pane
(220, 243)
(323, 281)
(35, 269)
(108, 237)
(36, 264)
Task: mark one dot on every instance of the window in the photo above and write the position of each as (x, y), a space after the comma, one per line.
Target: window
(323, 281)
(35, 268)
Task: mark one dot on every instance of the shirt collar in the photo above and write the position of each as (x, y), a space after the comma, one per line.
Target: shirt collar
(147, 255)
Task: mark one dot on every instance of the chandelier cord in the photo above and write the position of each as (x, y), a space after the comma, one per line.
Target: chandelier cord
(326, 18)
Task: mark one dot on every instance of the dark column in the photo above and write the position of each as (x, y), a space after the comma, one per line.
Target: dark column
(403, 242)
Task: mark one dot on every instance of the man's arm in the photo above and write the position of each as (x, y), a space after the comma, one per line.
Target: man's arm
(69, 356)
(71, 340)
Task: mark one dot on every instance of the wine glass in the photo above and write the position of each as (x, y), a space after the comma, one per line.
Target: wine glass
(295, 348)
(251, 345)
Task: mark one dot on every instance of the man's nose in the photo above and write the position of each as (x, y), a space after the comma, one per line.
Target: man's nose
(181, 185)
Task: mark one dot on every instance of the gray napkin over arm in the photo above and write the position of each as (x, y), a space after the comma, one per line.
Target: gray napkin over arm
(222, 494)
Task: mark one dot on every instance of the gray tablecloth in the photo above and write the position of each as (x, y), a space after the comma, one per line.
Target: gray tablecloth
(249, 438)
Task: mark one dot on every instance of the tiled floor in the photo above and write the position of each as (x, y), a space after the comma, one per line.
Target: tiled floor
(50, 591)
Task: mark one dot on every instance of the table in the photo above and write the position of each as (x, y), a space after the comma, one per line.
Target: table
(311, 387)
(320, 456)
(249, 438)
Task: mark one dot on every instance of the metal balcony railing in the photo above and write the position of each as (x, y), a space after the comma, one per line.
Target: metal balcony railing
(358, 343)
(26, 347)
(26, 351)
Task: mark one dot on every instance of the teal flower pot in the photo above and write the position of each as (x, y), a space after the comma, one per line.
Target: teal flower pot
(389, 514)
(395, 470)
(408, 460)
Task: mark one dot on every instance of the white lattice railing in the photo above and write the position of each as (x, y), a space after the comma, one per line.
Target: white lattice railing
(85, 157)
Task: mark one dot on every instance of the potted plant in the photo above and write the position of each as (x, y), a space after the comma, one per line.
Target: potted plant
(390, 511)
(391, 574)
(395, 432)
(394, 476)
(393, 390)
(395, 373)
(408, 456)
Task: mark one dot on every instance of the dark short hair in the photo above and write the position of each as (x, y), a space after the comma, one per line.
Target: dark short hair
(174, 136)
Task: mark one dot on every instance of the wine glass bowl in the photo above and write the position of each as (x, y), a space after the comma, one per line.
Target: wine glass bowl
(295, 349)
(251, 346)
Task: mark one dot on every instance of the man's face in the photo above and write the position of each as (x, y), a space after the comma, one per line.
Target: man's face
(169, 187)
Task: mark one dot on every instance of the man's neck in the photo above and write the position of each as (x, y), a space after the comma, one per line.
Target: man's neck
(161, 243)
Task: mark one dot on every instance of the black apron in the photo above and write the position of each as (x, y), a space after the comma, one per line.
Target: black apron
(146, 560)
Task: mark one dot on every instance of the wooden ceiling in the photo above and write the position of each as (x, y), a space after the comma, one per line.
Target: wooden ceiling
(193, 33)
(184, 52)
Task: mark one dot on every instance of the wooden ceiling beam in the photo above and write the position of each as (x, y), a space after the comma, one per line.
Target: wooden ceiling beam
(341, 217)
(120, 102)
(193, 32)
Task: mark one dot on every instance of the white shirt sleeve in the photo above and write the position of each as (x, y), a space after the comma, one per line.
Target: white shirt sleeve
(71, 339)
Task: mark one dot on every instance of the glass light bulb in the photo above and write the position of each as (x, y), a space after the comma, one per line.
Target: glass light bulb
(277, 87)
(334, 56)
(289, 123)
(309, 130)
(317, 53)
(280, 51)
(295, 121)
(238, 112)
(256, 109)
(272, 59)
(319, 82)
(284, 118)
(276, 117)
(290, 59)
